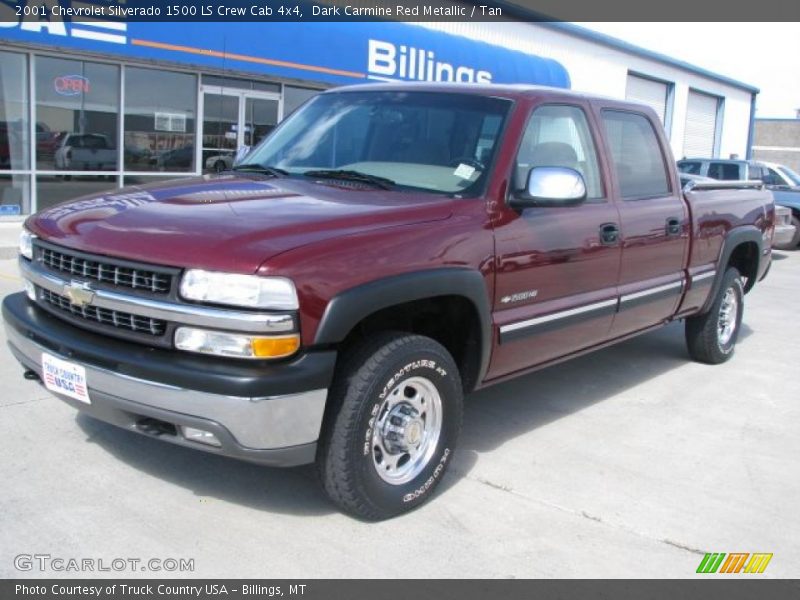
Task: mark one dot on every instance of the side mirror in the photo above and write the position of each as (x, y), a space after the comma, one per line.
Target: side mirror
(240, 154)
(551, 186)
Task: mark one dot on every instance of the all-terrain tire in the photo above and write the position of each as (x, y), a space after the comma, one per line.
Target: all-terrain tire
(711, 337)
(374, 381)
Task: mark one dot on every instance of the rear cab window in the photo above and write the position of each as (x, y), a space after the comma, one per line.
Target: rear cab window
(693, 167)
(725, 171)
(636, 155)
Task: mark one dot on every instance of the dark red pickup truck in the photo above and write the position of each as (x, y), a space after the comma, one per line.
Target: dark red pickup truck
(386, 250)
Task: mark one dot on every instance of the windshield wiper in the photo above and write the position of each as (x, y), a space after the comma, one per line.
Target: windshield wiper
(381, 182)
(257, 168)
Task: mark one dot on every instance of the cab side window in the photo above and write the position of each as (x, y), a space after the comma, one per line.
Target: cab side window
(772, 178)
(636, 155)
(559, 136)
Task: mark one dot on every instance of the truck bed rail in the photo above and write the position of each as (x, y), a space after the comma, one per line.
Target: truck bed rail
(724, 185)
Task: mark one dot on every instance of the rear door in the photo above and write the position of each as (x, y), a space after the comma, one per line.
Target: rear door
(654, 219)
(556, 269)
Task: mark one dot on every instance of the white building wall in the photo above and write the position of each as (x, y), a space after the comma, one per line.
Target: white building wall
(598, 69)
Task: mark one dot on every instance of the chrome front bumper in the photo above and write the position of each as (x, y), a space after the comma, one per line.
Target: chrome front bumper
(277, 430)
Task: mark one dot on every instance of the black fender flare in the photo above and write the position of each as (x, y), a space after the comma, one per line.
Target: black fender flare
(736, 237)
(348, 308)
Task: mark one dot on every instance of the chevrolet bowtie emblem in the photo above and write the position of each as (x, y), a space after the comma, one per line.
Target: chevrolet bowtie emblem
(79, 294)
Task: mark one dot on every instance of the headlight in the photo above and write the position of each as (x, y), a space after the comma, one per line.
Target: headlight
(30, 289)
(235, 345)
(26, 243)
(239, 290)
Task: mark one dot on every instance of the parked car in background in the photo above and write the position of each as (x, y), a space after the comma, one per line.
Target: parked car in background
(219, 162)
(47, 141)
(790, 199)
(86, 152)
(782, 181)
(178, 158)
(773, 175)
(787, 232)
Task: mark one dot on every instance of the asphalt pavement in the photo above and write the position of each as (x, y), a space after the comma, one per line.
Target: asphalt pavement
(629, 462)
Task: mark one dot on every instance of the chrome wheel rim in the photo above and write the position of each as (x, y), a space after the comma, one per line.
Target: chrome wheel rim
(407, 430)
(728, 314)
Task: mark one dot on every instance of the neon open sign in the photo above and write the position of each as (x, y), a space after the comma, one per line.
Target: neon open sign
(71, 85)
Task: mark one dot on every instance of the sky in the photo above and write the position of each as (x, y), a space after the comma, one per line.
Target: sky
(764, 55)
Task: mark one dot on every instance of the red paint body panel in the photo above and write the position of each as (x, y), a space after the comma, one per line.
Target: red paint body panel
(226, 222)
(331, 239)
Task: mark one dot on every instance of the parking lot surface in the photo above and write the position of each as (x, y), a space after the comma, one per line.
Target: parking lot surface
(629, 462)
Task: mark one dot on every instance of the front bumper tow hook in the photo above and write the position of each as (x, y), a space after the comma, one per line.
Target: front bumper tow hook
(31, 375)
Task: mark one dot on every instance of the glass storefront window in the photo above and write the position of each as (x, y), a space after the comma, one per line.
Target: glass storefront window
(220, 126)
(77, 107)
(293, 97)
(71, 127)
(241, 84)
(15, 195)
(260, 116)
(145, 180)
(14, 128)
(159, 127)
(54, 189)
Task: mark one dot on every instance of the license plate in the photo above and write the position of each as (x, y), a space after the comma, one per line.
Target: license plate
(64, 377)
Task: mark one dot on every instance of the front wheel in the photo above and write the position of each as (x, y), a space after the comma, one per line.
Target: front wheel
(394, 421)
(711, 337)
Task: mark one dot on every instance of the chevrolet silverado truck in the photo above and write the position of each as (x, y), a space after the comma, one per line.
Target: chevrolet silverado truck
(386, 250)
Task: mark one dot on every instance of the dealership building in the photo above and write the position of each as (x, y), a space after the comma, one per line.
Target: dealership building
(88, 106)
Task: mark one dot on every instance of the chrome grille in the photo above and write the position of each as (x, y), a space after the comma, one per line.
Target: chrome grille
(104, 316)
(107, 272)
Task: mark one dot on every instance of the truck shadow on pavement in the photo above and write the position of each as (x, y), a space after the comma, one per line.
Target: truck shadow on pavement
(492, 417)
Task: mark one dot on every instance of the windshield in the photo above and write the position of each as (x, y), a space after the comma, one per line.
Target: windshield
(437, 142)
(790, 175)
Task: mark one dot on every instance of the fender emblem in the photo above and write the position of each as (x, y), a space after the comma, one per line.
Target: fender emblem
(529, 295)
(79, 294)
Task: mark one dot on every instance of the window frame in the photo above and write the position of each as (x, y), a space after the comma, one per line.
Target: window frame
(25, 174)
(124, 169)
(659, 142)
(601, 170)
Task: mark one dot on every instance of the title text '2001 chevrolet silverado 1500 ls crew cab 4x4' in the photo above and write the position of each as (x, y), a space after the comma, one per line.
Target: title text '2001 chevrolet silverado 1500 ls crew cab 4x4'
(385, 250)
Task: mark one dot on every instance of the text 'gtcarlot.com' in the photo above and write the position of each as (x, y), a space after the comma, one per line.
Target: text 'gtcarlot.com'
(48, 562)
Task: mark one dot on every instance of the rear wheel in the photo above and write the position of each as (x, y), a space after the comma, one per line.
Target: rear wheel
(392, 426)
(711, 337)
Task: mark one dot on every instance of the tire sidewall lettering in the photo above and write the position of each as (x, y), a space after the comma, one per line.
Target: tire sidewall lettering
(419, 492)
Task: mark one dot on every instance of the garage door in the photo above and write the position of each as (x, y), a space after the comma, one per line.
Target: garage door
(650, 92)
(701, 125)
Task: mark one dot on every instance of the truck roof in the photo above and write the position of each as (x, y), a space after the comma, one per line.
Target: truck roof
(507, 90)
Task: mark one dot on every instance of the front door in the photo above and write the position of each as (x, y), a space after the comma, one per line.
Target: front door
(231, 119)
(557, 267)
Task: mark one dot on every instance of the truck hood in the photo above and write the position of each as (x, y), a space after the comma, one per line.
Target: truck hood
(228, 222)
